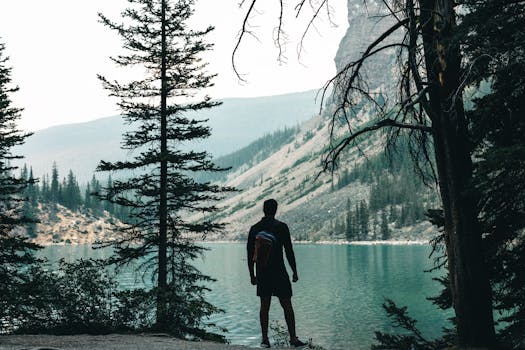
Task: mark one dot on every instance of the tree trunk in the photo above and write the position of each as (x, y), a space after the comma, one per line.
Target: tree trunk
(469, 282)
(163, 204)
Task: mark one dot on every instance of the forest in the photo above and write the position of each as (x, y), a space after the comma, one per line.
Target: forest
(452, 153)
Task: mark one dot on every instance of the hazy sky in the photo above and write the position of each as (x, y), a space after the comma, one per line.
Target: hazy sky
(57, 47)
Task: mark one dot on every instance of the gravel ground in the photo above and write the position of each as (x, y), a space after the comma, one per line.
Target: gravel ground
(106, 342)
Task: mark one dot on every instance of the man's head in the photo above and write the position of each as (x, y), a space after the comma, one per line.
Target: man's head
(270, 207)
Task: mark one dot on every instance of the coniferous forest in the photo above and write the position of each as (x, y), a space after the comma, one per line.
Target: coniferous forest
(422, 127)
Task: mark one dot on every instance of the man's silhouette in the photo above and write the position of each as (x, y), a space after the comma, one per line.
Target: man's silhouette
(271, 277)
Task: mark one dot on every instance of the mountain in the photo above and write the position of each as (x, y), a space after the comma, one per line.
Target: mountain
(235, 123)
(317, 206)
(367, 197)
(63, 226)
(366, 22)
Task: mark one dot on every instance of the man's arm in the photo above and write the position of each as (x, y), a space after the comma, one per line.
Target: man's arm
(250, 247)
(290, 256)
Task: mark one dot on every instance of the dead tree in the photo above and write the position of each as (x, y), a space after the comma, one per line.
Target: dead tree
(429, 106)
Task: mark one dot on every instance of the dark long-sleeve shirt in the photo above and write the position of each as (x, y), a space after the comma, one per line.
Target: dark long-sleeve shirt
(281, 231)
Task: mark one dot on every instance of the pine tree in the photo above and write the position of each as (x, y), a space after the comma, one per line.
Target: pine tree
(87, 196)
(55, 185)
(349, 229)
(62, 191)
(30, 204)
(385, 230)
(15, 249)
(96, 204)
(108, 205)
(358, 220)
(163, 196)
(24, 174)
(392, 216)
(364, 218)
(32, 189)
(71, 192)
(45, 192)
(373, 225)
(431, 111)
(494, 42)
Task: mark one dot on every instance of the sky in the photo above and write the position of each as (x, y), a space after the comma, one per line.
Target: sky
(57, 48)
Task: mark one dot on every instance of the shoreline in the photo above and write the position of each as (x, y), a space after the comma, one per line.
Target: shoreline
(378, 242)
(108, 342)
(321, 242)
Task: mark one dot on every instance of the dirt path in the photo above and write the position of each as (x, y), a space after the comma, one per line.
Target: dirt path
(106, 342)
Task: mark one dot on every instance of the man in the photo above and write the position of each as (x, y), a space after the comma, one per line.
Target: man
(272, 277)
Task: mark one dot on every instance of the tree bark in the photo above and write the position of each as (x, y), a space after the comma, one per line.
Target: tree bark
(469, 282)
(163, 202)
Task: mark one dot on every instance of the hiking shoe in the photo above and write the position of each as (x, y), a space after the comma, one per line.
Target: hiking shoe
(297, 343)
(265, 344)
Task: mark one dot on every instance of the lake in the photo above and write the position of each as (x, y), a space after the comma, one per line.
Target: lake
(337, 299)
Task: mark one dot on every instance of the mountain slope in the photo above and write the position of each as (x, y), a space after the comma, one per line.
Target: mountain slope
(314, 205)
(237, 122)
(338, 206)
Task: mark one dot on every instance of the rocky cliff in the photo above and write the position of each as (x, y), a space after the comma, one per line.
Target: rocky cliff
(367, 20)
(309, 203)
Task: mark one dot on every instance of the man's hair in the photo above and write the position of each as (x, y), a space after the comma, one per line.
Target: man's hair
(270, 207)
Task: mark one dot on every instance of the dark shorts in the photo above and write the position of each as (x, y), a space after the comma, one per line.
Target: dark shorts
(276, 284)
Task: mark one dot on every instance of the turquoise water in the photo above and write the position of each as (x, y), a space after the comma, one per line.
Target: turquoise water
(337, 299)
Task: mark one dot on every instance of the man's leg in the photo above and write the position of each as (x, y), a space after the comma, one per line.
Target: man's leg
(263, 316)
(289, 316)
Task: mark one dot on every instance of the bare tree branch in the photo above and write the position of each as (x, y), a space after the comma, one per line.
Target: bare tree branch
(280, 31)
(280, 37)
(309, 25)
(243, 31)
(368, 52)
(336, 151)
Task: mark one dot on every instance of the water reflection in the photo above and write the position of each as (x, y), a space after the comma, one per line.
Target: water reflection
(337, 299)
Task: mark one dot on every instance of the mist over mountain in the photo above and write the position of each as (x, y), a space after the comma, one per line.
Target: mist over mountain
(367, 198)
(234, 124)
(275, 146)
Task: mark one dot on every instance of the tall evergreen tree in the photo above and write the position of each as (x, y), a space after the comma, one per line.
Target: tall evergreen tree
(108, 205)
(54, 187)
(87, 196)
(96, 204)
(494, 44)
(71, 192)
(32, 189)
(429, 108)
(364, 220)
(24, 173)
(30, 206)
(349, 225)
(45, 195)
(15, 249)
(162, 196)
(385, 230)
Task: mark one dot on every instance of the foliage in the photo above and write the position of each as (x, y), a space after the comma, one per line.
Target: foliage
(160, 195)
(494, 45)
(412, 339)
(251, 154)
(49, 193)
(15, 249)
(71, 298)
(493, 55)
(394, 187)
(84, 297)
